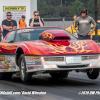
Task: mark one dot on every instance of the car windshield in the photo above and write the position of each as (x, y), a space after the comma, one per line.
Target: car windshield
(98, 26)
(33, 34)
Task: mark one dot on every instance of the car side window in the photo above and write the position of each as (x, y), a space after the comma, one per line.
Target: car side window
(10, 37)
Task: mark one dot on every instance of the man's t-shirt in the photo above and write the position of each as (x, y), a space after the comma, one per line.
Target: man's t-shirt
(0, 33)
(84, 24)
(36, 22)
(8, 23)
(22, 24)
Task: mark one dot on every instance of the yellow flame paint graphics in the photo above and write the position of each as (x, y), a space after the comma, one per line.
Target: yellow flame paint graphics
(74, 47)
(80, 47)
(9, 47)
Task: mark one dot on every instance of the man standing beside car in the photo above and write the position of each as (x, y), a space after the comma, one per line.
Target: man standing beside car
(36, 21)
(8, 24)
(84, 25)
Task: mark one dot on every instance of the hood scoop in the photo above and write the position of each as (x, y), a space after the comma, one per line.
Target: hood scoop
(54, 35)
(62, 38)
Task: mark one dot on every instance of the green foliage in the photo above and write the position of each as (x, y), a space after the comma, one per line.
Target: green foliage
(91, 7)
(42, 7)
(53, 8)
(76, 7)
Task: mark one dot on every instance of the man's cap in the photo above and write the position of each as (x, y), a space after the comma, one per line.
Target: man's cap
(23, 16)
(84, 10)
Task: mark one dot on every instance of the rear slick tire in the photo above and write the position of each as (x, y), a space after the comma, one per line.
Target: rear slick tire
(93, 73)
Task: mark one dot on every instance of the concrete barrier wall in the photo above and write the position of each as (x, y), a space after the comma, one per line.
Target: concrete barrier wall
(58, 23)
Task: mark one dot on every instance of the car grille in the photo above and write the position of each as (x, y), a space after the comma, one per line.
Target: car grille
(72, 66)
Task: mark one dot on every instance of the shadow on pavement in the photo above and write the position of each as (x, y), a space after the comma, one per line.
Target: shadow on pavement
(46, 80)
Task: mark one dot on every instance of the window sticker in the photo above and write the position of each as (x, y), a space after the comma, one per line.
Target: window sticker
(24, 30)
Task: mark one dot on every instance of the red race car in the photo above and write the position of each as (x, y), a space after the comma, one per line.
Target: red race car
(52, 50)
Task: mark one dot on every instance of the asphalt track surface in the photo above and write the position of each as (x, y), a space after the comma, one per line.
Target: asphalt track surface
(56, 89)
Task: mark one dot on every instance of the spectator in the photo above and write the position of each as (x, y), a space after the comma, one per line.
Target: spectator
(36, 21)
(1, 36)
(8, 24)
(84, 25)
(22, 22)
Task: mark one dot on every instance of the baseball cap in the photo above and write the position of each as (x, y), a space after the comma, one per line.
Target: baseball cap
(23, 16)
(84, 10)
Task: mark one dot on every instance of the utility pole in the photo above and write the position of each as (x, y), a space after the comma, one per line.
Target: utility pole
(96, 17)
(61, 2)
(65, 2)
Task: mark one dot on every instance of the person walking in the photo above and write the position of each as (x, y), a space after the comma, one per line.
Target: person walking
(84, 25)
(8, 24)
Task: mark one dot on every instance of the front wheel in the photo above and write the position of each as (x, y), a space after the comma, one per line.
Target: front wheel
(93, 73)
(59, 74)
(25, 77)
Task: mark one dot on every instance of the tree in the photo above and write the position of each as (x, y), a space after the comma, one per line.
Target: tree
(64, 11)
(91, 7)
(43, 8)
(53, 8)
(76, 7)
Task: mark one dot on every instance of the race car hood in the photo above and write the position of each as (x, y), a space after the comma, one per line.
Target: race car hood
(41, 47)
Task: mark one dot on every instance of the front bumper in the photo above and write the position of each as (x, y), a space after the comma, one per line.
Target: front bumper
(43, 65)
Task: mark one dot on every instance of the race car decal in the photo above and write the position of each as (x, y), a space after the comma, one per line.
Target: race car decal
(30, 68)
(7, 63)
(33, 62)
(30, 63)
(46, 35)
(24, 30)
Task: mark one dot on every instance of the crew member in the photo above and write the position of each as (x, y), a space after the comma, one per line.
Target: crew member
(84, 25)
(22, 22)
